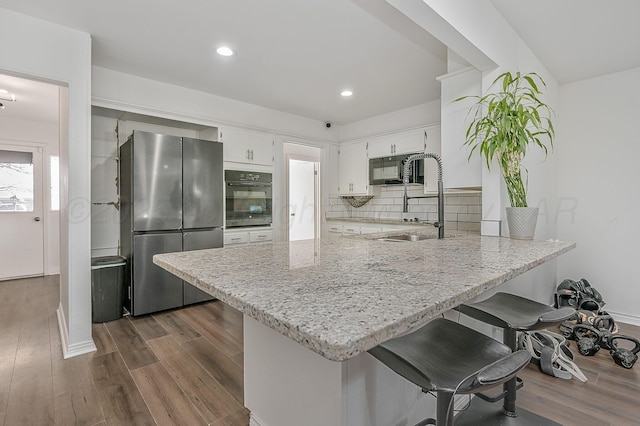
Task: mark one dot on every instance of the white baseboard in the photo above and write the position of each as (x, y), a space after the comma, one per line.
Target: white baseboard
(69, 351)
(625, 318)
(254, 421)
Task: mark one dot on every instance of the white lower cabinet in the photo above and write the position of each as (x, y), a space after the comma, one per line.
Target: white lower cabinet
(350, 229)
(370, 229)
(337, 229)
(245, 236)
(260, 236)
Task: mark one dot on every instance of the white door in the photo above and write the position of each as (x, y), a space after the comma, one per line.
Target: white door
(21, 212)
(302, 199)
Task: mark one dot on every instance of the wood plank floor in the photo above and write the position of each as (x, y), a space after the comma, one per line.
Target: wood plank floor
(184, 367)
(181, 367)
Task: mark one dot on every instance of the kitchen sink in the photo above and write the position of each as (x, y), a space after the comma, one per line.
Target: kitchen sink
(407, 237)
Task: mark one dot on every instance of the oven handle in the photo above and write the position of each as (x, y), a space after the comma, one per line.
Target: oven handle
(249, 183)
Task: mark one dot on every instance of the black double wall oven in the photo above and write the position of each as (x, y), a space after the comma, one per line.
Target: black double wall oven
(248, 198)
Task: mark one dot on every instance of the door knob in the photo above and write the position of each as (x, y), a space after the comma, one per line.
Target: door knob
(293, 214)
(37, 219)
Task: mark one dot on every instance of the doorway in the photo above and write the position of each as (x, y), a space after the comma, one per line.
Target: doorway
(303, 196)
(303, 177)
(29, 182)
(21, 208)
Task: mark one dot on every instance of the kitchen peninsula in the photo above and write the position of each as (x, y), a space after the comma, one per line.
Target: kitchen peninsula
(313, 308)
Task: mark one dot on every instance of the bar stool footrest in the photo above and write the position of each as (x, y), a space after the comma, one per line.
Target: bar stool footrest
(481, 413)
(501, 395)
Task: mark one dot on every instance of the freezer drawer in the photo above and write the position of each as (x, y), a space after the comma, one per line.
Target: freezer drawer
(199, 240)
(154, 289)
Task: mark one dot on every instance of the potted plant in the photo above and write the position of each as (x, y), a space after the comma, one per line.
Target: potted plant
(504, 124)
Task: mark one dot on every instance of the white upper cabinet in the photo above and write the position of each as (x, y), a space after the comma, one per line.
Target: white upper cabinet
(353, 169)
(407, 142)
(455, 155)
(247, 146)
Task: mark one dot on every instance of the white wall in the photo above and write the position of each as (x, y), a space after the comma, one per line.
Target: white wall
(477, 33)
(34, 48)
(409, 118)
(126, 92)
(129, 93)
(45, 135)
(597, 185)
(105, 213)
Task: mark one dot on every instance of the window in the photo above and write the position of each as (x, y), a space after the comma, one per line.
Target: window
(16, 181)
(54, 182)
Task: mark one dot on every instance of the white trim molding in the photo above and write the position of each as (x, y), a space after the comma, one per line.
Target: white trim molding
(626, 318)
(69, 351)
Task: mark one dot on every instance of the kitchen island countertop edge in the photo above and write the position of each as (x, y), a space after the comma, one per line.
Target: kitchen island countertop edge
(342, 296)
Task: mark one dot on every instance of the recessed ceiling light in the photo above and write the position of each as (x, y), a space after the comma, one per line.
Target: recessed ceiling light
(224, 51)
(346, 93)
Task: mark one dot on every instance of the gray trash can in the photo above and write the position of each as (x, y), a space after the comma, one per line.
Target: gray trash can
(107, 288)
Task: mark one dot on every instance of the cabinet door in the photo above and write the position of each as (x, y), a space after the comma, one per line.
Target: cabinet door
(406, 142)
(370, 229)
(231, 238)
(350, 229)
(260, 236)
(261, 148)
(353, 169)
(236, 144)
(409, 142)
(335, 230)
(381, 146)
(247, 146)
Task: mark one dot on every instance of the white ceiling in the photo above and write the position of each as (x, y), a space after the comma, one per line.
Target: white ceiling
(296, 56)
(578, 39)
(34, 100)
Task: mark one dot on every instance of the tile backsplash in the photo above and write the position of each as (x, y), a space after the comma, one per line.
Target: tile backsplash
(462, 210)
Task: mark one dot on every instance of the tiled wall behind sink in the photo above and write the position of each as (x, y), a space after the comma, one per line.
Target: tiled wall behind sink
(463, 210)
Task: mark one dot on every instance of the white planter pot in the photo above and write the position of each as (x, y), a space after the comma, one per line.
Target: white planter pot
(522, 222)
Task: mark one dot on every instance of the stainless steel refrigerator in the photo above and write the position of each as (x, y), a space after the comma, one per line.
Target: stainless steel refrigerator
(171, 199)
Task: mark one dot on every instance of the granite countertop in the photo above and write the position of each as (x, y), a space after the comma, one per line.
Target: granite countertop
(342, 296)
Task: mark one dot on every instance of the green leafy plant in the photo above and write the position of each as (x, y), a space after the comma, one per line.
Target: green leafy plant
(506, 122)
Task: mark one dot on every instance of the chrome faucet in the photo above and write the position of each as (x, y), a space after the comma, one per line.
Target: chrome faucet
(405, 204)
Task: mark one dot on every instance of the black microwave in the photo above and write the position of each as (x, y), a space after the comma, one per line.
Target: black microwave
(389, 170)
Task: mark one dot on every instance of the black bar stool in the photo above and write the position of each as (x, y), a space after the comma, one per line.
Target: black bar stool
(448, 358)
(514, 313)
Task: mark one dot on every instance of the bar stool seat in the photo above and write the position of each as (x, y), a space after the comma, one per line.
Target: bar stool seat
(448, 358)
(514, 313)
